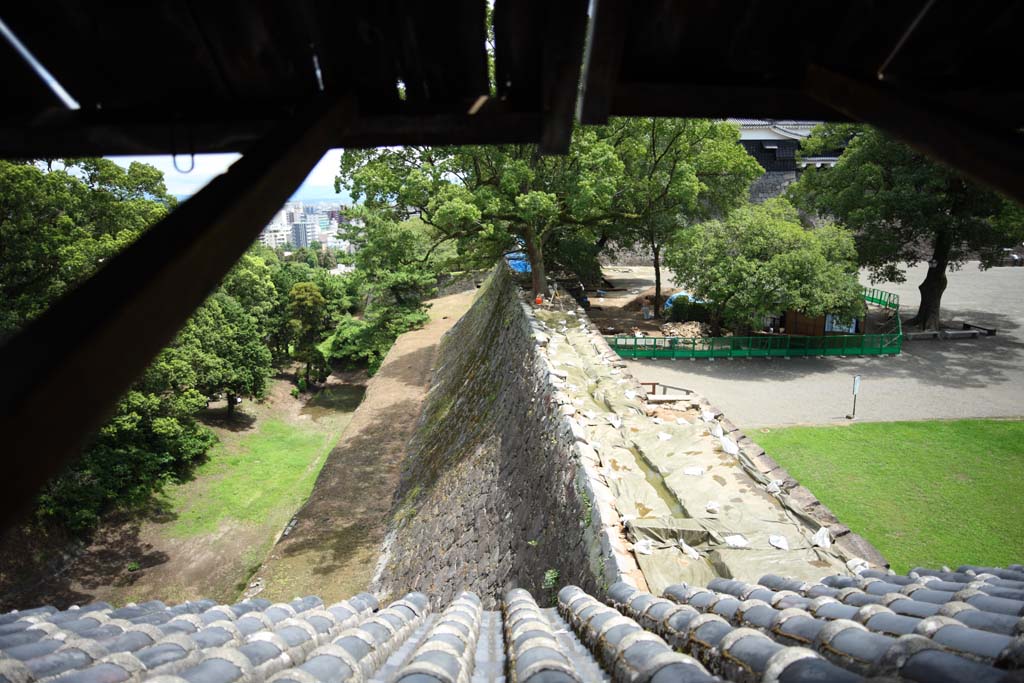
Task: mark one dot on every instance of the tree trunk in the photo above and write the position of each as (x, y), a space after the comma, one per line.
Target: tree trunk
(231, 405)
(715, 323)
(657, 281)
(928, 314)
(307, 374)
(535, 250)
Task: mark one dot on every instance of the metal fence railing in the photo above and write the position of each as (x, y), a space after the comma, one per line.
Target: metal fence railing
(774, 345)
(881, 298)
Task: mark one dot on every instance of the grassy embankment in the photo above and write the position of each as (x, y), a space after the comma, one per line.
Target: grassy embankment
(254, 481)
(924, 493)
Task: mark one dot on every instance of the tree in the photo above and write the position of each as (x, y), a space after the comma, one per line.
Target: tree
(759, 260)
(905, 208)
(56, 227)
(393, 280)
(285, 274)
(223, 344)
(677, 172)
(491, 200)
(251, 284)
(307, 310)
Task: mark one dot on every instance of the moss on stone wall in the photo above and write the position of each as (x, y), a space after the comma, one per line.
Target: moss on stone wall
(487, 500)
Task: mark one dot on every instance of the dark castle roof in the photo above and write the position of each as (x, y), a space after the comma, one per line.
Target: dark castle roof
(925, 626)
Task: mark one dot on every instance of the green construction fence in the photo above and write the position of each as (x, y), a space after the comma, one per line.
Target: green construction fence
(775, 346)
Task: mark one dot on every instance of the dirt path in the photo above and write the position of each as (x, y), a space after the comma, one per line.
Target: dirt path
(333, 546)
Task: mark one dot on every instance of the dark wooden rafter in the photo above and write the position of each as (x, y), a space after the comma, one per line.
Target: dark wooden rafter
(984, 152)
(563, 44)
(101, 336)
(606, 35)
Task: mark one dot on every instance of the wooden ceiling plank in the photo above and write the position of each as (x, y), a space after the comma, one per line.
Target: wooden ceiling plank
(518, 63)
(606, 35)
(565, 30)
(718, 101)
(105, 138)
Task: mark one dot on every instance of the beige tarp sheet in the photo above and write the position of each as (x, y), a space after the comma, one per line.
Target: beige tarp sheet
(675, 482)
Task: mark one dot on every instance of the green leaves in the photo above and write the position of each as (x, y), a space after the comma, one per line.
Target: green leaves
(898, 202)
(759, 261)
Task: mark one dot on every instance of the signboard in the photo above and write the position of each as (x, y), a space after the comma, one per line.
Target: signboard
(856, 384)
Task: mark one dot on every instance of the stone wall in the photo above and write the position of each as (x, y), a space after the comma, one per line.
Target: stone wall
(771, 184)
(527, 470)
(489, 498)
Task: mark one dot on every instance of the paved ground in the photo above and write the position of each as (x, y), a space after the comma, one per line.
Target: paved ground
(930, 379)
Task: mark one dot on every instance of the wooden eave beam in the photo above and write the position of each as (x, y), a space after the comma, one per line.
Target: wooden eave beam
(987, 153)
(64, 372)
(76, 137)
(717, 101)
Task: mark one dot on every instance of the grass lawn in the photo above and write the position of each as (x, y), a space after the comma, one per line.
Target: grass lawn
(269, 474)
(924, 493)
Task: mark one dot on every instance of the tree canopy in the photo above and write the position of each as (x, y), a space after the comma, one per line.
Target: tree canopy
(59, 223)
(904, 208)
(632, 180)
(677, 172)
(759, 260)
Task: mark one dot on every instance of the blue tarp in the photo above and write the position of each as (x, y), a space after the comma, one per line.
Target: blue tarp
(685, 295)
(519, 262)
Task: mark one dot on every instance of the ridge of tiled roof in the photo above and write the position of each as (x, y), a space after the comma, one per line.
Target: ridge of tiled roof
(927, 625)
(781, 123)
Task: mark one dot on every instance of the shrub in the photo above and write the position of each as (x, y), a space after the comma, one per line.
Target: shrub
(684, 310)
(364, 342)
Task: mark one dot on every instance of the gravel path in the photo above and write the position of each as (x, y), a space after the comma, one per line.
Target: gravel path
(930, 380)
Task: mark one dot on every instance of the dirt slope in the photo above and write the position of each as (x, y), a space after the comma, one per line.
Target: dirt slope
(333, 546)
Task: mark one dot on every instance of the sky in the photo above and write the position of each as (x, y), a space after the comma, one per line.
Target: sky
(318, 185)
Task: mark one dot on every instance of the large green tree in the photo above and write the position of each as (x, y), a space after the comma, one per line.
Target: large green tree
(251, 283)
(904, 209)
(58, 225)
(309, 320)
(760, 260)
(677, 172)
(393, 279)
(492, 200)
(222, 341)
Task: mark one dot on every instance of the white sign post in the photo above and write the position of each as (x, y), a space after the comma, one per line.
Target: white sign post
(856, 390)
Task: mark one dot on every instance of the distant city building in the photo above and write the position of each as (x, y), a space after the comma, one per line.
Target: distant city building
(277, 237)
(304, 233)
(300, 225)
(774, 143)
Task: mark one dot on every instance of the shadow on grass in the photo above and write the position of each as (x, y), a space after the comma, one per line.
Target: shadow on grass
(335, 398)
(50, 571)
(239, 421)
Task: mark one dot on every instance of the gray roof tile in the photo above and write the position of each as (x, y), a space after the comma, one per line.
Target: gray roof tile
(926, 626)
